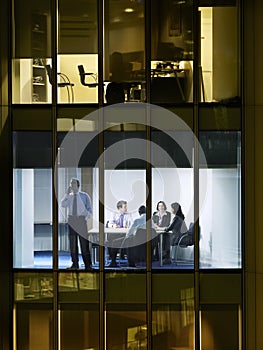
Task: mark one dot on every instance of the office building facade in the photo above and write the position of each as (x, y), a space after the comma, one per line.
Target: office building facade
(141, 101)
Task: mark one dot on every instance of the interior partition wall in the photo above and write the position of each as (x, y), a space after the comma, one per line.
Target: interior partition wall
(174, 136)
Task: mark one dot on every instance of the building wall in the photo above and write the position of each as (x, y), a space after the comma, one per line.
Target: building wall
(253, 127)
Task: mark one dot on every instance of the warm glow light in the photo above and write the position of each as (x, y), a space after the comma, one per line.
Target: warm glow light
(129, 10)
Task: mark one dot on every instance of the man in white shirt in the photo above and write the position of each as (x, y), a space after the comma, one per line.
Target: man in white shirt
(139, 223)
(79, 211)
(122, 218)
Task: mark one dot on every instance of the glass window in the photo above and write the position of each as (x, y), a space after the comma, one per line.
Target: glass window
(217, 320)
(125, 59)
(78, 287)
(31, 52)
(77, 156)
(77, 70)
(220, 54)
(125, 185)
(220, 200)
(173, 312)
(32, 310)
(85, 322)
(172, 51)
(125, 296)
(172, 189)
(32, 199)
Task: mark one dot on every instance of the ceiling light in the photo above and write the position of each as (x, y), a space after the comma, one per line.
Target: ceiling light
(129, 10)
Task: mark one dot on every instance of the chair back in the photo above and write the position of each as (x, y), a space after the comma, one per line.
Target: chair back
(81, 74)
(49, 72)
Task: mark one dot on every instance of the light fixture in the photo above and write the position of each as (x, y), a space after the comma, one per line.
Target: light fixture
(129, 10)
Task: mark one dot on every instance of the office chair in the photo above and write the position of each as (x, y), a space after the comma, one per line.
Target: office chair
(64, 83)
(83, 75)
(185, 241)
(136, 246)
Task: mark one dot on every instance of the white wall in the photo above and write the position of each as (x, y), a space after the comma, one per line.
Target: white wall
(220, 245)
(68, 64)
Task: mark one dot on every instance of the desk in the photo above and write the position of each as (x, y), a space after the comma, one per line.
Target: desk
(160, 231)
(109, 232)
(165, 73)
(112, 233)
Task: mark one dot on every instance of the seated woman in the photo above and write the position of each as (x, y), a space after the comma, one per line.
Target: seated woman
(178, 228)
(161, 218)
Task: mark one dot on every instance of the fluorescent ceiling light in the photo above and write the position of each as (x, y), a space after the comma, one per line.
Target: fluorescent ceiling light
(129, 10)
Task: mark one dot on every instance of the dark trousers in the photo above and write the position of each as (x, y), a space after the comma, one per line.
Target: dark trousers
(116, 246)
(166, 245)
(73, 244)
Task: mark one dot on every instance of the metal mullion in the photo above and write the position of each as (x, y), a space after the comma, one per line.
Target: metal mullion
(147, 16)
(54, 7)
(100, 17)
(196, 100)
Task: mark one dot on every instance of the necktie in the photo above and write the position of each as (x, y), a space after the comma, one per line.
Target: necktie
(74, 207)
(121, 220)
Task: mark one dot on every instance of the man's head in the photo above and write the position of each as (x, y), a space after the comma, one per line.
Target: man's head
(122, 206)
(142, 210)
(74, 183)
(115, 93)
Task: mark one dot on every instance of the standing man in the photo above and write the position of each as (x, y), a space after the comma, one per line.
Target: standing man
(79, 211)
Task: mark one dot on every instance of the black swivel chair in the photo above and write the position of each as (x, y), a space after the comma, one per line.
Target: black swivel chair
(64, 83)
(83, 76)
(136, 245)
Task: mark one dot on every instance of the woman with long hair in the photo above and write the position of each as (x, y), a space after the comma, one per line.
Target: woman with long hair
(161, 218)
(178, 228)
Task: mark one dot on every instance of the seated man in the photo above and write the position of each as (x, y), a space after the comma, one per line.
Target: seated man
(122, 218)
(117, 243)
